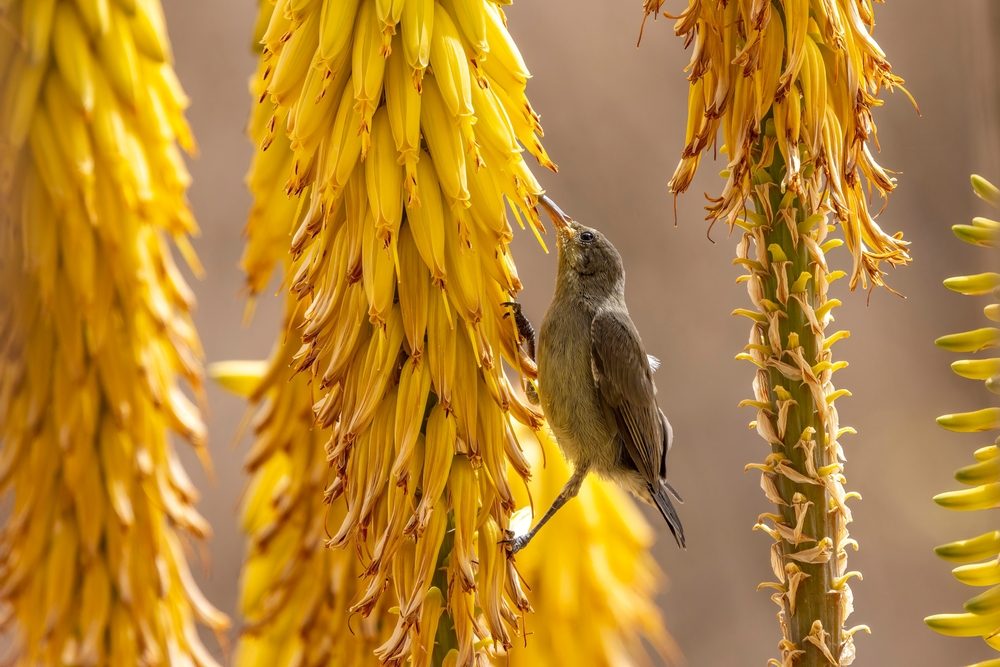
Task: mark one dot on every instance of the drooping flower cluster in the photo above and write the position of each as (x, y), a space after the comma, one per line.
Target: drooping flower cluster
(97, 349)
(791, 85)
(391, 308)
(979, 557)
(392, 138)
(812, 68)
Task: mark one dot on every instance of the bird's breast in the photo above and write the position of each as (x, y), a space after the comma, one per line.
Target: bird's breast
(566, 383)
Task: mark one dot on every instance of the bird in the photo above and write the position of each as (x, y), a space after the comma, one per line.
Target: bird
(595, 380)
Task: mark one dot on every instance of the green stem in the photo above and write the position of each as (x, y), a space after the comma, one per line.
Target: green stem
(815, 597)
(445, 640)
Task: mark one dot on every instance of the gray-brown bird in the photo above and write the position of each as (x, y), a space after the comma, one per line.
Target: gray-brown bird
(595, 379)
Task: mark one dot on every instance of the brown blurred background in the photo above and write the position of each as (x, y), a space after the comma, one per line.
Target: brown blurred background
(614, 117)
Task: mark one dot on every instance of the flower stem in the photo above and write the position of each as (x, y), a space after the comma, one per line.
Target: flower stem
(802, 476)
(446, 639)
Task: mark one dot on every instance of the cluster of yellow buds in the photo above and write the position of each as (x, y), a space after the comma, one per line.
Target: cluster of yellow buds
(397, 130)
(979, 557)
(97, 349)
(791, 86)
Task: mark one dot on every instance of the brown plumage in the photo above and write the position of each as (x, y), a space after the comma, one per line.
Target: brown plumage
(595, 379)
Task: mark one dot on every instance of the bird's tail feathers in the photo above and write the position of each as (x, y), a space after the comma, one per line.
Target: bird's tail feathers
(661, 499)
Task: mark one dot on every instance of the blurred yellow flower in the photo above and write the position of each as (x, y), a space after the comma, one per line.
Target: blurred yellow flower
(593, 604)
(99, 353)
(979, 557)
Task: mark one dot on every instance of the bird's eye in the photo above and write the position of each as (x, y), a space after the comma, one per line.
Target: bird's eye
(586, 237)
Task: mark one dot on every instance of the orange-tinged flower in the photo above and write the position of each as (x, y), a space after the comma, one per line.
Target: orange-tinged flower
(808, 77)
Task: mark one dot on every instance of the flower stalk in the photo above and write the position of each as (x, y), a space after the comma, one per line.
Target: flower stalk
(791, 86)
(794, 394)
(98, 353)
(978, 557)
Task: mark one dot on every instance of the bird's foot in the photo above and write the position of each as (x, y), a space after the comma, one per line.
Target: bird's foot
(515, 544)
(524, 328)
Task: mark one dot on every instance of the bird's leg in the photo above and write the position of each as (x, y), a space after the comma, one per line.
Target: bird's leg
(524, 328)
(569, 491)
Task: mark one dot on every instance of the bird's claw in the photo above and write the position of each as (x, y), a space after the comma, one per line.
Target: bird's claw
(524, 328)
(514, 307)
(515, 544)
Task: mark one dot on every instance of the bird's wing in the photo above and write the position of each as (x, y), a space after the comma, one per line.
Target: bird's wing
(625, 385)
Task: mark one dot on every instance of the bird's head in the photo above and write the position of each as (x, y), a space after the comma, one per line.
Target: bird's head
(588, 262)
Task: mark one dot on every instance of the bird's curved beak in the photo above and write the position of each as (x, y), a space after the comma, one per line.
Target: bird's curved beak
(562, 222)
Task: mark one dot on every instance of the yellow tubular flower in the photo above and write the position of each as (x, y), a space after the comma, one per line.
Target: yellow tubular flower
(98, 349)
(791, 85)
(396, 131)
(979, 557)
